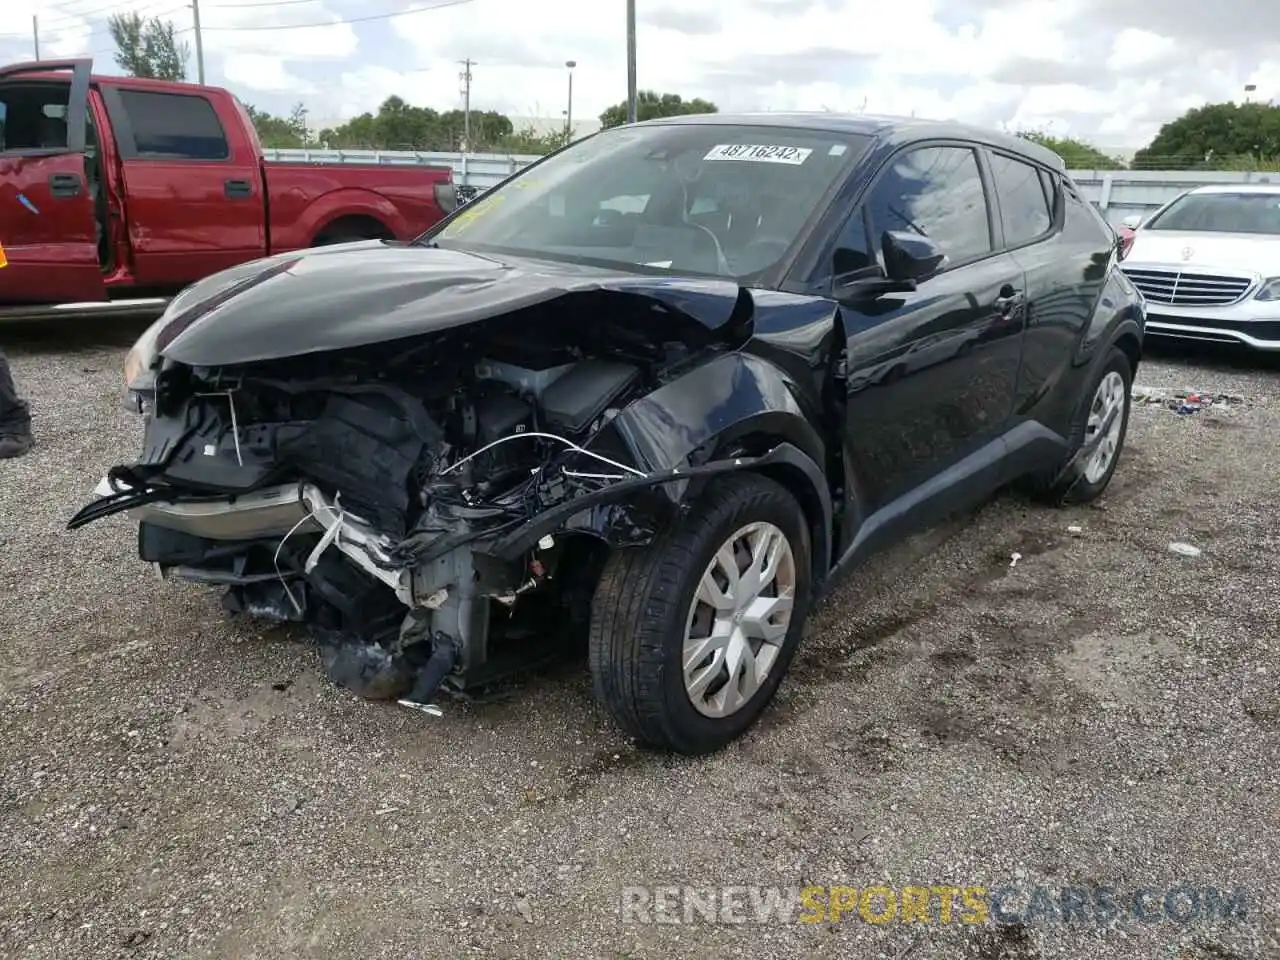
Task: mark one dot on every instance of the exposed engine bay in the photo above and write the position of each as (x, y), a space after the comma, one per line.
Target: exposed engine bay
(425, 507)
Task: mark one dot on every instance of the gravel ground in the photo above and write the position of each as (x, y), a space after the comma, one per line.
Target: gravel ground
(173, 783)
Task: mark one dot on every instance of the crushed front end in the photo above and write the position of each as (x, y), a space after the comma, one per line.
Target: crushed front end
(435, 511)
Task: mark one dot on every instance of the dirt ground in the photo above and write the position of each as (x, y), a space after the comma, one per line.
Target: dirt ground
(1103, 713)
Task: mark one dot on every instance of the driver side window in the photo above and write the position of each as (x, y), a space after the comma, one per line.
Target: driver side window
(936, 192)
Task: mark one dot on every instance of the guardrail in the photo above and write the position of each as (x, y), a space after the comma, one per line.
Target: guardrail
(479, 170)
(1117, 193)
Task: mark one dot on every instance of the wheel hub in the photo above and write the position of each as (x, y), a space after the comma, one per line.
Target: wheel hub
(739, 618)
(1109, 396)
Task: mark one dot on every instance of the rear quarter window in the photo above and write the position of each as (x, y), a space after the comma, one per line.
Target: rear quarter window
(174, 126)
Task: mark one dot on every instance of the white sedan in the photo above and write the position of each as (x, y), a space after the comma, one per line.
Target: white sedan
(1208, 266)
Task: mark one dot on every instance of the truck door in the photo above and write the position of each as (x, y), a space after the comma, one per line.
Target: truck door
(48, 220)
(193, 185)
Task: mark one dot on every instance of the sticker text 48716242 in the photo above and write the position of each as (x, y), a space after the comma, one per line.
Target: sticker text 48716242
(759, 153)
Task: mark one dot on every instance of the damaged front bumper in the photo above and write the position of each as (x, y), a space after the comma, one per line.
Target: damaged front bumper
(449, 589)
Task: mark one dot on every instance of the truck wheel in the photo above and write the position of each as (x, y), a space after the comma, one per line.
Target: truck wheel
(1111, 388)
(691, 635)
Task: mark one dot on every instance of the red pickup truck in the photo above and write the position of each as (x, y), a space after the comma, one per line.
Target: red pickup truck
(116, 192)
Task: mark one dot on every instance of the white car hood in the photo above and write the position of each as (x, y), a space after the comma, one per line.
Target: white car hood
(1248, 253)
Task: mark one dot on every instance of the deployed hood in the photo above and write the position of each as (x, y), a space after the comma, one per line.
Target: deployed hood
(351, 295)
(1229, 252)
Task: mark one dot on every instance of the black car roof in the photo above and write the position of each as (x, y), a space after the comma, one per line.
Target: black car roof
(881, 127)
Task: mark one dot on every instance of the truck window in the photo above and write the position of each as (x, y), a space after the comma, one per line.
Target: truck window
(33, 116)
(174, 126)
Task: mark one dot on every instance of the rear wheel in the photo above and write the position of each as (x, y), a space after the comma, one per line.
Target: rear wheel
(1109, 391)
(691, 635)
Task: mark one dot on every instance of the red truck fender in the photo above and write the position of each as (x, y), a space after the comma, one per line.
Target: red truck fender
(371, 216)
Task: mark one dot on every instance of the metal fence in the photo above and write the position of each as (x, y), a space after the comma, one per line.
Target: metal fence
(1120, 193)
(1117, 193)
(479, 170)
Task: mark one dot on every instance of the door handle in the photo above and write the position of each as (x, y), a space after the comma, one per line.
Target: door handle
(64, 185)
(237, 188)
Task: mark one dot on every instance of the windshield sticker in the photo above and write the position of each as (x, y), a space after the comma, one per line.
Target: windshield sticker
(759, 153)
(837, 150)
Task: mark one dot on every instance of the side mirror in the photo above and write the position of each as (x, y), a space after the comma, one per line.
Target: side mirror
(1132, 221)
(911, 256)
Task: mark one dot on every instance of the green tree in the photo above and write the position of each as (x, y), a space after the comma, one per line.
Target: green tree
(148, 48)
(528, 141)
(399, 125)
(1216, 136)
(1076, 154)
(651, 105)
(281, 132)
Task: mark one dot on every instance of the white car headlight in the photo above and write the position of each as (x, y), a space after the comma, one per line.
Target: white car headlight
(1270, 289)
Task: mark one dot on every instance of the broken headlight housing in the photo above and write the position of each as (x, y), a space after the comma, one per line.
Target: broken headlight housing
(139, 368)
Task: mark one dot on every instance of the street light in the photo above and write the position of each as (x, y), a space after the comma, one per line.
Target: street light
(1248, 89)
(568, 116)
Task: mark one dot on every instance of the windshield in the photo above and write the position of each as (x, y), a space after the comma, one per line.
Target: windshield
(716, 199)
(1222, 213)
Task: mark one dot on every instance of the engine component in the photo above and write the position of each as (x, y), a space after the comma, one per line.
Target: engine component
(574, 400)
(522, 379)
(498, 415)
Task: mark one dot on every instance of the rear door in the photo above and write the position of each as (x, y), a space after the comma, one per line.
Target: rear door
(1059, 293)
(48, 225)
(193, 184)
(931, 374)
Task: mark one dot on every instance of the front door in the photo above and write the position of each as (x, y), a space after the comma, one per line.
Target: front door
(48, 223)
(931, 374)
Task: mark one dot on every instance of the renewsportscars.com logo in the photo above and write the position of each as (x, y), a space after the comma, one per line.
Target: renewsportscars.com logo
(935, 904)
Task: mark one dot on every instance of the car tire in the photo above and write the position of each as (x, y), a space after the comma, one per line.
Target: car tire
(1112, 384)
(651, 600)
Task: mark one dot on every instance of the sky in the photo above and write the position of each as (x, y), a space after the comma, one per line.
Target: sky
(1106, 71)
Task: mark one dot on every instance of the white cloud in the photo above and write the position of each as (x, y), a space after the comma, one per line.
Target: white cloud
(1081, 67)
(256, 71)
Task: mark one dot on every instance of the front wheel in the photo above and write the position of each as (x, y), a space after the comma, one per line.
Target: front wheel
(691, 635)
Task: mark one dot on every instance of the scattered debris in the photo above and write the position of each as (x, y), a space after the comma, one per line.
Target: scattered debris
(1184, 549)
(1014, 558)
(1183, 402)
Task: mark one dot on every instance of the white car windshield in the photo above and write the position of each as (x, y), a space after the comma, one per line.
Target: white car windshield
(1222, 213)
(709, 198)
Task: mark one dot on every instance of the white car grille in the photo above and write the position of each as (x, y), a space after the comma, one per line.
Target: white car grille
(1178, 288)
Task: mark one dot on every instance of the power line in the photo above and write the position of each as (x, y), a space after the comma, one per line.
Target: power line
(335, 23)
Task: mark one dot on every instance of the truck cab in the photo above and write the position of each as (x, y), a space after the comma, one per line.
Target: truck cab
(116, 192)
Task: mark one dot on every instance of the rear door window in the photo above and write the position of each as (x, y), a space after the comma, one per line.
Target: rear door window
(173, 126)
(1025, 212)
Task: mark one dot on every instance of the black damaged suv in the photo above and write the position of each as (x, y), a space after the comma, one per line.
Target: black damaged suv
(663, 385)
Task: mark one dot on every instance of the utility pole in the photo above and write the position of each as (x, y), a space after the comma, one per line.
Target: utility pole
(195, 17)
(568, 114)
(35, 33)
(631, 61)
(465, 76)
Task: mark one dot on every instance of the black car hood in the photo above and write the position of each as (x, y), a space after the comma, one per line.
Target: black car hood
(335, 298)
